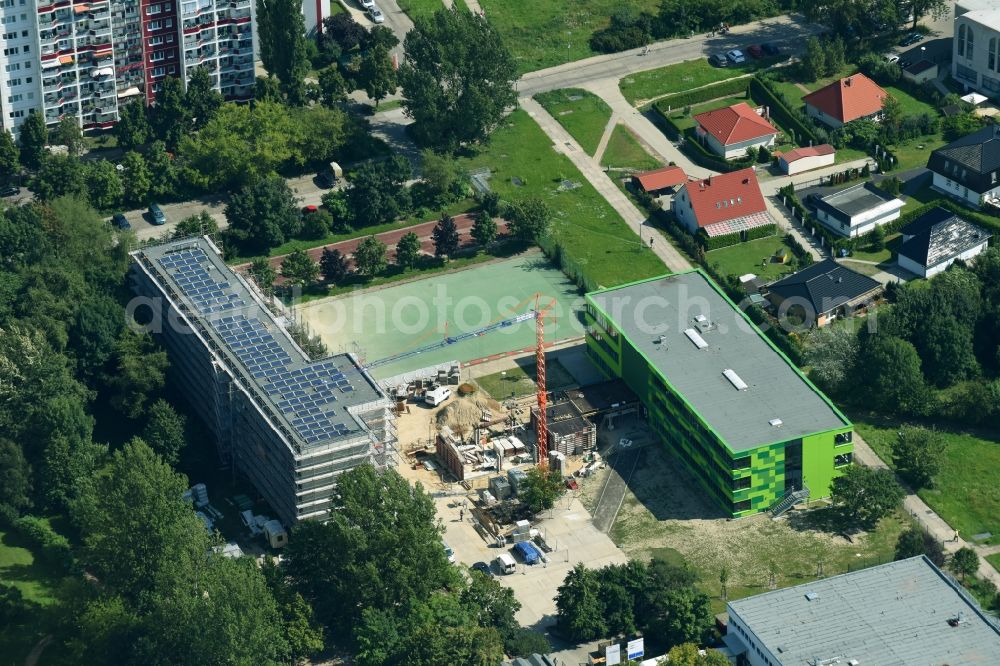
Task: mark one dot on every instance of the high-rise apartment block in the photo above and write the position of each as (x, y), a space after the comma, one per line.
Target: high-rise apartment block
(83, 60)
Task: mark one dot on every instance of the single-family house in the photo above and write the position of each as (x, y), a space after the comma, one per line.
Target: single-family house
(660, 181)
(721, 204)
(730, 131)
(856, 210)
(937, 239)
(969, 168)
(821, 292)
(854, 97)
(806, 158)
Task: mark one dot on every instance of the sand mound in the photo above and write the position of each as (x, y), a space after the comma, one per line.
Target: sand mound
(464, 413)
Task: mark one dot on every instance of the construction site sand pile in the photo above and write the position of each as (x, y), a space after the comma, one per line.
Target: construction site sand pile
(463, 414)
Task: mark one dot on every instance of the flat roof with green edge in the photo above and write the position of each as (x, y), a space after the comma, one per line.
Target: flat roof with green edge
(695, 336)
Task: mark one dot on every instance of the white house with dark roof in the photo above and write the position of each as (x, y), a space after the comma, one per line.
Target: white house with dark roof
(856, 210)
(968, 169)
(937, 239)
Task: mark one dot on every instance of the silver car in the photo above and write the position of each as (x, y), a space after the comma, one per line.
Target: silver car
(376, 14)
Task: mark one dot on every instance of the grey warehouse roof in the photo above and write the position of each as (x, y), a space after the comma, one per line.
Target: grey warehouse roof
(939, 235)
(668, 306)
(896, 614)
(313, 398)
(852, 201)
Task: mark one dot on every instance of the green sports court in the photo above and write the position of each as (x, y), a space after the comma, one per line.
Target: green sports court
(378, 323)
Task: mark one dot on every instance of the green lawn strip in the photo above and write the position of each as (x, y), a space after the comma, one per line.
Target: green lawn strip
(994, 559)
(910, 105)
(520, 380)
(592, 235)
(914, 152)
(891, 245)
(686, 120)
(583, 114)
(965, 494)
(420, 8)
(625, 151)
(336, 8)
(544, 34)
(746, 258)
(681, 77)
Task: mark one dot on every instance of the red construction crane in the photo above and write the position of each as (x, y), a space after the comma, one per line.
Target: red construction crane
(541, 422)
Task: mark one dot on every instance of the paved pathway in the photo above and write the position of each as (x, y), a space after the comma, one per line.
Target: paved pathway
(609, 129)
(924, 515)
(634, 217)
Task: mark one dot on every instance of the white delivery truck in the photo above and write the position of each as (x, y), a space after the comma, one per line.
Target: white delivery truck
(437, 395)
(506, 564)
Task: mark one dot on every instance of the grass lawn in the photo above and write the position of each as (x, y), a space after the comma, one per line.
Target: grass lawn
(521, 379)
(336, 8)
(892, 243)
(994, 559)
(583, 114)
(746, 258)
(680, 77)
(624, 151)
(686, 120)
(966, 493)
(914, 153)
(415, 8)
(593, 236)
(543, 34)
(910, 105)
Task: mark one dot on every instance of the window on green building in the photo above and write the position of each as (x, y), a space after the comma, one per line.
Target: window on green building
(843, 438)
(741, 506)
(742, 483)
(741, 463)
(843, 459)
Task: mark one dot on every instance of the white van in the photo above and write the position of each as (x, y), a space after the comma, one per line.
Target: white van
(505, 564)
(437, 395)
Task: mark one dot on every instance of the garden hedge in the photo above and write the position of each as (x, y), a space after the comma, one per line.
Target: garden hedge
(726, 88)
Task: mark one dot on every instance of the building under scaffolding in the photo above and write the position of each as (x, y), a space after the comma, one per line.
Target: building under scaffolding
(289, 423)
(569, 431)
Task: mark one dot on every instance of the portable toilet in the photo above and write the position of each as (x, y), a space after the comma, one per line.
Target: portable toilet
(275, 534)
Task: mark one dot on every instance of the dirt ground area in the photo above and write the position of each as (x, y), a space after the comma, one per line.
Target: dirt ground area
(665, 514)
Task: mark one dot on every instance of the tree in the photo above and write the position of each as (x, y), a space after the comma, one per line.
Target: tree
(59, 175)
(299, 269)
(377, 73)
(439, 177)
(282, 35)
(876, 239)
(830, 353)
(136, 180)
(104, 185)
(202, 224)
(332, 86)
(541, 489)
(916, 541)
(68, 133)
(263, 274)
(10, 161)
(162, 172)
(964, 562)
(723, 582)
(202, 99)
(138, 375)
(836, 55)
(375, 195)
(380, 549)
(171, 117)
(369, 257)
(334, 265)
(408, 250)
(263, 214)
(892, 117)
(491, 605)
(528, 219)
(15, 478)
(32, 140)
(316, 224)
(814, 60)
(484, 229)
(578, 605)
(921, 8)
(95, 332)
(525, 642)
(267, 89)
(342, 29)
(455, 95)
(445, 237)
(321, 133)
(303, 635)
(916, 454)
(889, 373)
(865, 495)
(133, 129)
(164, 431)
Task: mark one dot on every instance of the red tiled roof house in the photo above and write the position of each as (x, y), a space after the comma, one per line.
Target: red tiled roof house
(660, 180)
(855, 97)
(723, 204)
(731, 130)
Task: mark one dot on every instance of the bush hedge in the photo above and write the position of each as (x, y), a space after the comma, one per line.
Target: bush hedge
(53, 548)
(762, 232)
(715, 242)
(726, 88)
(790, 119)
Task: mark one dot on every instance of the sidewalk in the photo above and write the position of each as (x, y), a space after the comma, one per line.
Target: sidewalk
(635, 218)
(923, 514)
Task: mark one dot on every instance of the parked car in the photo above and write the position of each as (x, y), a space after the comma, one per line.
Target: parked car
(375, 14)
(736, 57)
(449, 552)
(366, 4)
(891, 57)
(156, 215)
(311, 208)
(911, 39)
(755, 51)
(770, 49)
(483, 568)
(718, 60)
(9, 191)
(326, 179)
(120, 221)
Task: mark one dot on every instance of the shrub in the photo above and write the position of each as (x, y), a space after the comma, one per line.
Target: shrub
(726, 88)
(466, 388)
(790, 119)
(53, 548)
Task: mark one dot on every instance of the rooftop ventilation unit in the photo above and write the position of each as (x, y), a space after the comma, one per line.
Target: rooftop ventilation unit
(811, 596)
(735, 380)
(775, 423)
(694, 337)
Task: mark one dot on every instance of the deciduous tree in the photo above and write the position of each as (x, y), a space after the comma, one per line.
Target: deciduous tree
(334, 265)
(408, 250)
(484, 229)
(202, 99)
(917, 453)
(67, 133)
(282, 32)
(298, 268)
(445, 237)
(378, 76)
(263, 274)
(541, 489)
(579, 614)
(263, 215)
(528, 218)
(964, 562)
(917, 541)
(139, 373)
(456, 95)
(133, 129)
(171, 116)
(10, 160)
(32, 139)
(888, 374)
(164, 431)
(865, 495)
(369, 257)
(104, 185)
(136, 179)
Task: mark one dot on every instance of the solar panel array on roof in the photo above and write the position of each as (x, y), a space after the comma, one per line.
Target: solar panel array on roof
(307, 396)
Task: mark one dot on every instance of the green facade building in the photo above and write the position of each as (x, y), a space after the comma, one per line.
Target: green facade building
(751, 428)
